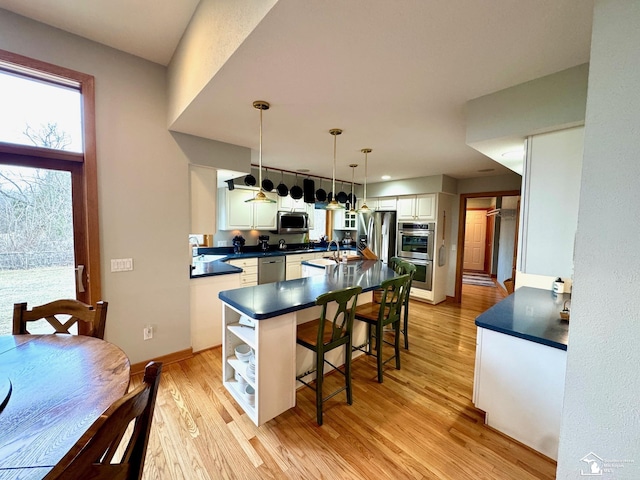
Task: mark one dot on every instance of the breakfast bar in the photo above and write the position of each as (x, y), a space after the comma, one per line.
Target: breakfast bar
(265, 318)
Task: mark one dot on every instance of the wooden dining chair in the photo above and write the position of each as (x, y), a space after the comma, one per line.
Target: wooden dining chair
(91, 320)
(325, 334)
(93, 454)
(377, 316)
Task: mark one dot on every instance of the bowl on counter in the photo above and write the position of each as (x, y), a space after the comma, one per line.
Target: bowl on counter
(243, 352)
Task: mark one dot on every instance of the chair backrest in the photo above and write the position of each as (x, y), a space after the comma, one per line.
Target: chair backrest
(342, 321)
(410, 269)
(395, 263)
(92, 458)
(393, 296)
(90, 320)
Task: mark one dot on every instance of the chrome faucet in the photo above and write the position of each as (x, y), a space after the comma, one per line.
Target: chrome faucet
(336, 254)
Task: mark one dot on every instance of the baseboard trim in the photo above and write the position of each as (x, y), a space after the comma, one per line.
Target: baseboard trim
(168, 359)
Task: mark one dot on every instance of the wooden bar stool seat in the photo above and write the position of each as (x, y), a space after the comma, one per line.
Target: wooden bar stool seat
(325, 334)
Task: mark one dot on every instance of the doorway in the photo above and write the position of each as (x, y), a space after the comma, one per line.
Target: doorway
(49, 236)
(486, 242)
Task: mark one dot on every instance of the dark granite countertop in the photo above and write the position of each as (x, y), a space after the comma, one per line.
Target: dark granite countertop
(273, 299)
(532, 314)
(211, 269)
(219, 267)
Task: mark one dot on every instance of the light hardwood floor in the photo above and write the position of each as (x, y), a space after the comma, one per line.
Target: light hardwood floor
(418, 424)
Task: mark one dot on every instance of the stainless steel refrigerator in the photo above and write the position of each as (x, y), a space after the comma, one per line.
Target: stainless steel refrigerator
(377, 230)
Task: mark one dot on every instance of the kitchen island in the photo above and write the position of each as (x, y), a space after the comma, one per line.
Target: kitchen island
(265, 317)
(520, 367)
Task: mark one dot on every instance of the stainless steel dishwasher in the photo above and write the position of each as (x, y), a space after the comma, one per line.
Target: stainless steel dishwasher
(271, 269)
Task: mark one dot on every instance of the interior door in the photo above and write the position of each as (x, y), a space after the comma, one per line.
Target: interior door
(475, 238)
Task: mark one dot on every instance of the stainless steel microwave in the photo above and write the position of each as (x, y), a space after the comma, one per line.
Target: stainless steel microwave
(293, 222)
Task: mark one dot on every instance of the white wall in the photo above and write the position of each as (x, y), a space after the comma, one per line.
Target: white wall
(143, 186)
(216, 30)
(601, 406)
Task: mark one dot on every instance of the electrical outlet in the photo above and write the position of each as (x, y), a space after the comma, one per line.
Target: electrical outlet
(222, 243)
(148, 332)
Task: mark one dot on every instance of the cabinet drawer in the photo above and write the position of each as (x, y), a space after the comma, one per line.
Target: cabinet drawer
(247, 280)
(251, 270)
(244, 262)
(300, 257)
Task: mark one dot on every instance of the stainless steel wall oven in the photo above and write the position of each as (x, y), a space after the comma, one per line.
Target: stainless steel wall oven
(415, 244)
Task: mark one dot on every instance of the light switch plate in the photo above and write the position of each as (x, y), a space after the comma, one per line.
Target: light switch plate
(121, 264)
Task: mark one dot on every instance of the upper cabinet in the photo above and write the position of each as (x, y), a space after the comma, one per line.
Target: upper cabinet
(343, 220)
(235, 214)
(202, 189)
(417, 207)
(551, 195)
(288, 204)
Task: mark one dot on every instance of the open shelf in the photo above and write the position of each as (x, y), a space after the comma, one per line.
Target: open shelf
(244, 333)
(241, 367)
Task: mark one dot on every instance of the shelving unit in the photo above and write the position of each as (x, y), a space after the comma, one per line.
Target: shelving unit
(274, 387)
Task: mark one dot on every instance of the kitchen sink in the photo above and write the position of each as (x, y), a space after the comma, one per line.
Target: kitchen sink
(207, 258)
(321, 262)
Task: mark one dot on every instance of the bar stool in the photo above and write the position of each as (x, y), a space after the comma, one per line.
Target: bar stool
(323, 335)
(379, 315)
(402, 267)
(410, 269)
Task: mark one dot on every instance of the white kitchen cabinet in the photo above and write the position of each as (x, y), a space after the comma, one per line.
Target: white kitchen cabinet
(520, 386)
(386, 203)
(343, 220)
(294, 263)
(288, 204)
(236, 214)
(417, 207)
(206, 309)
(202, 190)
(249, 275)
(274, 387)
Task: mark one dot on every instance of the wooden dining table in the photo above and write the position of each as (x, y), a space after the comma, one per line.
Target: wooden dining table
(58, 385)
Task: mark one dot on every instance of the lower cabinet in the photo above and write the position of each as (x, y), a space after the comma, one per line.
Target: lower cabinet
(294, 263)
(206, 309)
(520, 386)
(274, 388)
(249, 275)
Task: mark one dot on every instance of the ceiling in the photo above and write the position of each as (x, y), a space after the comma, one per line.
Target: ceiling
(394, 75)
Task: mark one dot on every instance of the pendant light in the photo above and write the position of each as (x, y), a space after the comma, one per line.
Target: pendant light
(353, 199)
(364, 207)
(260, 196)
(333, 204)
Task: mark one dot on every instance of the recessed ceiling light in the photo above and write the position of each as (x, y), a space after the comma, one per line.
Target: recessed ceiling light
(302, 170)
(485, 170)
(385, 177)
(513, 155)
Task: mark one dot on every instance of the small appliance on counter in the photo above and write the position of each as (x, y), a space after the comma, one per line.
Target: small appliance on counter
(282, 245)
(238, 243)
(263, 241)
